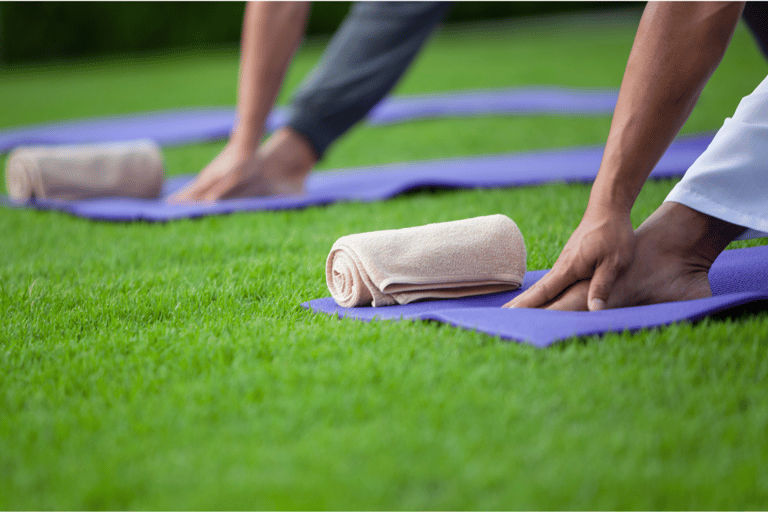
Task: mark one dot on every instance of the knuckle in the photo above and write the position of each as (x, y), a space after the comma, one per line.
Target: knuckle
(619, 262)
(543, 290)
(601, 290)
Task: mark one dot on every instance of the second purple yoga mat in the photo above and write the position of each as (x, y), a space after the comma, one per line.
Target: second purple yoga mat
(193, 125)
(738, 277)
(382, 182)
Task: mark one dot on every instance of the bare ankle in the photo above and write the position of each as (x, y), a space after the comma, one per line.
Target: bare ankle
(688, 233)
(288, 155)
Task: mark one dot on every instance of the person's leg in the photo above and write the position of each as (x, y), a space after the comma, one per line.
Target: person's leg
(729, 180)
(363, 62)
(756, 17)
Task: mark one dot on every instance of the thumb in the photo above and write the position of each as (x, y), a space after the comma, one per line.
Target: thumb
(601, 285)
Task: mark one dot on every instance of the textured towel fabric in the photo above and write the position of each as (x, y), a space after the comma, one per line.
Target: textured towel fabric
(170, 127)
(381, 182)
(444, 260)
(738, 277)
(71, 173)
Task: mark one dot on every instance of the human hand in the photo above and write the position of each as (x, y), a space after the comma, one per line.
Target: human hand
(278, 167)
(226, 176)
(600, 249)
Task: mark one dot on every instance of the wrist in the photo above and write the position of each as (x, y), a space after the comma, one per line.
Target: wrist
(244, 140)
(611, 197)
(291, 150)
(608, 207)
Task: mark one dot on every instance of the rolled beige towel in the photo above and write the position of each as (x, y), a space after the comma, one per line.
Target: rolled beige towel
(126, 169)
(445, 260)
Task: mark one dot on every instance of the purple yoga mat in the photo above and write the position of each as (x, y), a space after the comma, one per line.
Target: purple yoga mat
(376, 183)
(172, 127)
(738, 277)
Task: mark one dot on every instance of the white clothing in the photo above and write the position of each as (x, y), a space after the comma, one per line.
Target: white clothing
(729, 181)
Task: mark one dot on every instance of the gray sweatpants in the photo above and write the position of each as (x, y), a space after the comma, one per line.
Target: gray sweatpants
(366, 57)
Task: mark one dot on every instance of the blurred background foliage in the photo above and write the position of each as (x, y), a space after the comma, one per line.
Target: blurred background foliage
(56, 31)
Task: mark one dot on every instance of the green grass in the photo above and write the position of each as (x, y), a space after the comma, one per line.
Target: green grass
(155, 366)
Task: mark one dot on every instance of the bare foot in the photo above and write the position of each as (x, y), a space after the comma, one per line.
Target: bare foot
(676, 247)
(279, 167)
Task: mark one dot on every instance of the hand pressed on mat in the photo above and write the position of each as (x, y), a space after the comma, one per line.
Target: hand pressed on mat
(601, 248)
(279, 167)
(673, 252)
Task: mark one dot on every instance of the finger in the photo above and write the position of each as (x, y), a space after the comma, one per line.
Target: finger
(546, 289)
(601, 286)
(219, 190)
(191, 192)
(574, 298)
(182, 196)
(226, 188)
(204, 187)
(535, 296)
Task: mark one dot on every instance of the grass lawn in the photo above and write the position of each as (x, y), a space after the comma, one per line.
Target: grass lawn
(155, 366)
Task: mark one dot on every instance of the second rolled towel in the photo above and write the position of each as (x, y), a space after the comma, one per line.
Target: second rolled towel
(437, 261)
(129, 169)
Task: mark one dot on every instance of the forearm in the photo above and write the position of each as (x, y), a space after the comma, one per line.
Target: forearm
(272, 32)
(677, 48)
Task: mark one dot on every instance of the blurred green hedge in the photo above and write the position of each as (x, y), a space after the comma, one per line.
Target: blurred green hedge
(45, 31)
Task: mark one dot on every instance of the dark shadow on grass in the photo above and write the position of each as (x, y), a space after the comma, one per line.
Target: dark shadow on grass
(743, 312)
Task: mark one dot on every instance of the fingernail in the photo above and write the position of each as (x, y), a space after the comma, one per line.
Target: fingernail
(597, 305)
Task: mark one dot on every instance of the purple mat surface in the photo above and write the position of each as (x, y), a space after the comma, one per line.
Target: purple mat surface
(376, 183)
(171, 127)
(738, 277)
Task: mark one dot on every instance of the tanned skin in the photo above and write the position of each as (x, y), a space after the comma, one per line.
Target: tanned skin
(606, 263)
(272, 31)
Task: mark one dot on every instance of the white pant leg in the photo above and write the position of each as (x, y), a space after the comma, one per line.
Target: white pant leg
(729, 181)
